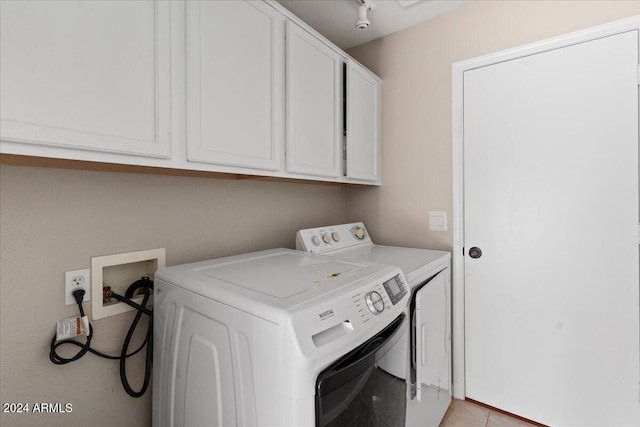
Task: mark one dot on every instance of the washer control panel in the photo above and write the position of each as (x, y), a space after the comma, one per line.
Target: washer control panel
(351, 313)
(331, 238)
(396, 289)
(382, 296)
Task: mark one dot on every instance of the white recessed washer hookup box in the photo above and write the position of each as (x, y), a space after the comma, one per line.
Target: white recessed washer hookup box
(156, 259)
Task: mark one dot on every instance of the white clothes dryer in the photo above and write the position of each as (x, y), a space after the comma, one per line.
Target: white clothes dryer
(422, 356)
(276, 338)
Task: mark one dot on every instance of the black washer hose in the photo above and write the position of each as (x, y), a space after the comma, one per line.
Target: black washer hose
(146, 285)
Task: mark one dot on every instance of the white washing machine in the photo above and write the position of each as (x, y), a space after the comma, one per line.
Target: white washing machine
(277, 338)
(422, 356)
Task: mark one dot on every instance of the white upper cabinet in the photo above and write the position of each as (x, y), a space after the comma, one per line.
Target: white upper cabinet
(229, 86)
(93, 76)
(235, 84)
(314, 105)
(363, 123)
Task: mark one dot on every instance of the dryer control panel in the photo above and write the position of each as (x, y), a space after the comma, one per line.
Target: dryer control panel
(332, 238)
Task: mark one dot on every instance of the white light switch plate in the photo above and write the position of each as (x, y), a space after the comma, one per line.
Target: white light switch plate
(437, 221)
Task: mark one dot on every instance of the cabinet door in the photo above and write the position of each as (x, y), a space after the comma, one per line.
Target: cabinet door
(313, 105)
(85, 74)
(235, 83)
(363, 124)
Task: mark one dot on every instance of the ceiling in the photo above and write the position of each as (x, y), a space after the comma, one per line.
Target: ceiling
(335, 19)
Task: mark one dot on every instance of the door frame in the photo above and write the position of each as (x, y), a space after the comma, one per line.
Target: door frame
(458, 70)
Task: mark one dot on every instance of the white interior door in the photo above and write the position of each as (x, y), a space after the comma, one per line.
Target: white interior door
(551, 199)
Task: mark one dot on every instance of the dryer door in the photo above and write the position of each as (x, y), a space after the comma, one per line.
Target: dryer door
(431, 354)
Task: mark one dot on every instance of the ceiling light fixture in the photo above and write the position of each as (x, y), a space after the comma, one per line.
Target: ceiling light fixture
(363, 22)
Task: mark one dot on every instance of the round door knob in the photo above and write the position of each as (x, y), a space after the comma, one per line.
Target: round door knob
(475, 252)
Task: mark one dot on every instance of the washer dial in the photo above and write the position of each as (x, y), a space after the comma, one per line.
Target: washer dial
(374, 301)
(359, 233)
(326, 238)
(335, 236)
(315, 240)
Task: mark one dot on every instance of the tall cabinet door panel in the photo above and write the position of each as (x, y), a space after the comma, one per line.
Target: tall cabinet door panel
(363, 124)
(235, 83)
(84, 74)
(313, 105)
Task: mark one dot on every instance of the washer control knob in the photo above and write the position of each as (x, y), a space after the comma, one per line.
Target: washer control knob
(359, 233)
(374, 302)
(326, 238)
(335, 236)
(315, 240)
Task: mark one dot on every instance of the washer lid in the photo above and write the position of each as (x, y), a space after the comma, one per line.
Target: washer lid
(268, 282)
(283, 274)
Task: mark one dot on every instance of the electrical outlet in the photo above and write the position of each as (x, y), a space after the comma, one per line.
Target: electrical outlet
(74, 280)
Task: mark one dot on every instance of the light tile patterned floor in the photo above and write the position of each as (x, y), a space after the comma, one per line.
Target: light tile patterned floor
(467, 414)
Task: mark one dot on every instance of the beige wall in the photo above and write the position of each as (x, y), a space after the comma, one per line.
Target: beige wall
(54, 220)
(415, 65)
